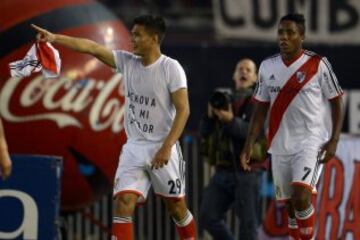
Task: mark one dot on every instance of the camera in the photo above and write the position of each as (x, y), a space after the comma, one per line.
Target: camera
(220, 100)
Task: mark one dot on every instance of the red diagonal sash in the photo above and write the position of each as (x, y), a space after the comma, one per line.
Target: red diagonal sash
(292, 87)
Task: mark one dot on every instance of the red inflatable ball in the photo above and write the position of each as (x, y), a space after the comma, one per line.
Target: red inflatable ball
(79, 115)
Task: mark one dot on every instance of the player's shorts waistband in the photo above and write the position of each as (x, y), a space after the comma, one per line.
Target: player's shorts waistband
(142, 142)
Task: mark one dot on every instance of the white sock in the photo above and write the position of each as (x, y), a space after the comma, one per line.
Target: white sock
(186, 220)
(122, 219)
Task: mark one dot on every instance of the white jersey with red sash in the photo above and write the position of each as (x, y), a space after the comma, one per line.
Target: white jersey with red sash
(298, 94)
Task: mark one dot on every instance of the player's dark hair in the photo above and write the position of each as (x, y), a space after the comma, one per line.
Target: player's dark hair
(298, 19)
(153, 24)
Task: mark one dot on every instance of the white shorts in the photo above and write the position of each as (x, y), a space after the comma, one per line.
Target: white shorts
(134, 173)
(302, 168)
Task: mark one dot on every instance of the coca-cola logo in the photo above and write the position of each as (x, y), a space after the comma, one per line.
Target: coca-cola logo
(75, 118)
(63, 98)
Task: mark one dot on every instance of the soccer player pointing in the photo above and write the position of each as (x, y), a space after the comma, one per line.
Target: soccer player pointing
(156, 111)
(301, 93)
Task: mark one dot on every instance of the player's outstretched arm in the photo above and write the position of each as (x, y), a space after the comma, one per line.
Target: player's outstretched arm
(256, 126)
(5, 162)
(81, 45)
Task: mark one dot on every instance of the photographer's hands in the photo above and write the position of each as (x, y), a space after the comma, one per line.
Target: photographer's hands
(225, 116)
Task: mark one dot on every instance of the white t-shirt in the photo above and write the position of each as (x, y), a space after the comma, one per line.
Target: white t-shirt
(149, 111)
(306, 121)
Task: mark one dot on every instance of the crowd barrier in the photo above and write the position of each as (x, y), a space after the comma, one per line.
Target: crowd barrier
(338, 202)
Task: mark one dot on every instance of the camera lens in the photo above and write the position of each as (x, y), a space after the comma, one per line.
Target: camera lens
(220, 100)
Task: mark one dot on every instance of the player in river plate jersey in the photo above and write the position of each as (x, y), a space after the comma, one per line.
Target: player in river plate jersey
(299, 90)
(156, 110)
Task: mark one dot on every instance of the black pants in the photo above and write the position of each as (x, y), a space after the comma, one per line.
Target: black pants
(225, 191)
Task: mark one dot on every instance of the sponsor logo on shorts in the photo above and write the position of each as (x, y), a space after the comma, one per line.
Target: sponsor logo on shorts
(306, 230)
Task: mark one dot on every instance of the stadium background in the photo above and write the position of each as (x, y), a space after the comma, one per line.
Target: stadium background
(208, 38)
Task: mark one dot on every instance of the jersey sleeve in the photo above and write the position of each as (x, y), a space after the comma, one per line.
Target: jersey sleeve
(177, 77)
(261, 94)
(121, 59)
(329, 84)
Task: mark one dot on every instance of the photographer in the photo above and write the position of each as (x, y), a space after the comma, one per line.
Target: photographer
(223, 131)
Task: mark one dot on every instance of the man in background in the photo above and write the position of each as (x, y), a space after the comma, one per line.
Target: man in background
(223, 130)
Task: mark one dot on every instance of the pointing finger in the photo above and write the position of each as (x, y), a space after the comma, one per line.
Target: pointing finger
(37, 28)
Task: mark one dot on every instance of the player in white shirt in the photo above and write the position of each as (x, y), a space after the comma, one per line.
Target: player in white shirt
(301, 92)
(156, 111)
